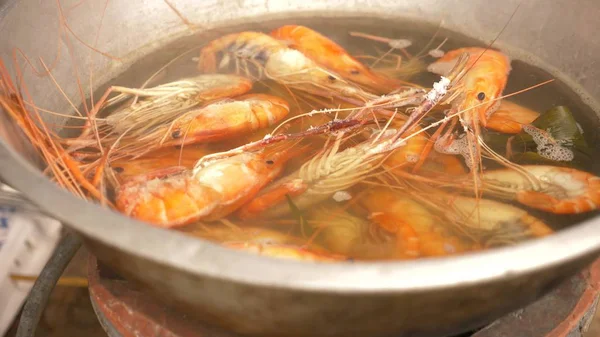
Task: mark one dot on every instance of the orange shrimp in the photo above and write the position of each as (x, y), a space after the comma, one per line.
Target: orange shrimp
(214, 122)
(177, 197)
(409, 153)
(330, 171)
(259, 55)
(440, 164)
(160, 159)
(287, 252)
(554, 189)
(496, 220)
(510, 118)
(229, 118)
(349, 235)
(149, 108)
(483, 83)
(417, 229)
(332, 56)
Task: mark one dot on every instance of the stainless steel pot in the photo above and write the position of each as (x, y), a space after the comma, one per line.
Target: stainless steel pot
(262, 296)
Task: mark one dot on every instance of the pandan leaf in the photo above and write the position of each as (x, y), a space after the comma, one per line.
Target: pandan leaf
(558, 128)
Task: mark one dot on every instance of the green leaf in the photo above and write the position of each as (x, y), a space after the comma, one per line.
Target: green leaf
(558, 127)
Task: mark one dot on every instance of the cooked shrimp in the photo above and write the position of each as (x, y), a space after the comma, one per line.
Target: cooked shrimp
(559, 190)
(440, 164)
(214, 122)
(274, 60)
(159, 159)
(409, 153)
(326, 173)
(227, 119)
(349, 235)
(175, 198)
(510, 118)
(332, 56)
(286, 252)
(483, 82)
(161, 104)
(418, 231)
(497, 223)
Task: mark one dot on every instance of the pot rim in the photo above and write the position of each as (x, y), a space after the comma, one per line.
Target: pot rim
(203, 257)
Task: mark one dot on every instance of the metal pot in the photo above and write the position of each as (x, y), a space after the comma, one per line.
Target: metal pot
(268, 297)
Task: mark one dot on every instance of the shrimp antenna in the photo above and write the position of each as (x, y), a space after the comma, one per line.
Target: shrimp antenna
(493, 40)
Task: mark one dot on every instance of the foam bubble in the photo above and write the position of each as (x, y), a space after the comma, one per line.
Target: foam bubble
(400, 43)
(548, 147)
(458, 146)
(437, 53)
(340, 196)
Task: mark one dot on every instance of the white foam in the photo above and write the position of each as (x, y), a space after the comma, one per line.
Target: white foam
(340, 196)
(400, 43)
(441, 68)
(458, 146)
(437, 53)
(548, 147)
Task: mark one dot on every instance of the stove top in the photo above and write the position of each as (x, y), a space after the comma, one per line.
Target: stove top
(124, 311)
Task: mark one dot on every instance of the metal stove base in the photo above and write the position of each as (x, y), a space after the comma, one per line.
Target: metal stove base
(124, 311)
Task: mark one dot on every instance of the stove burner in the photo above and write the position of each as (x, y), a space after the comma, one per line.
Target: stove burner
(125, 311)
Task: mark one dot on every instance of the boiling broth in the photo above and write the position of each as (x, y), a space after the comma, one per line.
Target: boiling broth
(523, 75)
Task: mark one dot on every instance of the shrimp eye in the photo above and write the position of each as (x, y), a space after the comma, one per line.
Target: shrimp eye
(331, 77)
(481, 96)
(176, 134)
(354, 72)
(270, 162)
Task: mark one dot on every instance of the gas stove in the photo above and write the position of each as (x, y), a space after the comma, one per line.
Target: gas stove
(125, 311)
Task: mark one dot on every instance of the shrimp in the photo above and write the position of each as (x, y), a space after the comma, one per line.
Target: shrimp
(332, 56)
(214, 122)
(349, 235)
(152, 107)
(274, 60)
(481, 222)
(483, 83)
(286, 252)
(440, 164)
(409, 153)
(230, 118)
(326, 173)
(497, 223)
(479, 89)
(176, 197)
(554, 189)
(159, 159)
(418, 231)
(510, 118)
